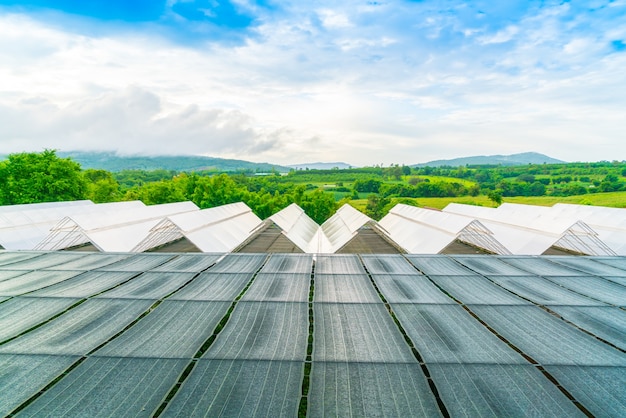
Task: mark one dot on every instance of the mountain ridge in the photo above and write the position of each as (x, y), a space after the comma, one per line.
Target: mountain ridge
(523, 158)
(113, 162)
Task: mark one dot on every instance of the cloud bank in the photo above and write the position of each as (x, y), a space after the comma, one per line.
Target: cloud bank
(364, 82)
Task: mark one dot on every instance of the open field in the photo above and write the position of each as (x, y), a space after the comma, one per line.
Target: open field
(613, 199)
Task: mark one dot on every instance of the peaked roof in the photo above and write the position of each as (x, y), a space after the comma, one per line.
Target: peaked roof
(133, 226)
(609, 223)
(22, 227)
(118, 227)
(426, 231)
(219, 229)
(532, 230)
(312, 238)
(297, 226)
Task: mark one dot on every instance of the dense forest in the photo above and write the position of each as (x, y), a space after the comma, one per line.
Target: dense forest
(45, 177)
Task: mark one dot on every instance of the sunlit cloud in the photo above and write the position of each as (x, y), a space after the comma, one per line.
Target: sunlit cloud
(359, 81)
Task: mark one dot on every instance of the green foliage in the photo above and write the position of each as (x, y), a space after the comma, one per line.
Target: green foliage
(101, 186)
(157, 193)
(132, 178)
(40, 177)
(367, 186)
(44, 177)
(319, 206)
(495, 196)
(424, 189)
(528, 178)
(376, 207)
(395, 172)
(216, 191)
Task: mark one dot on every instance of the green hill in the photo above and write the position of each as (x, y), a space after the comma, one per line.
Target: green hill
(524, 158)
(112, 162)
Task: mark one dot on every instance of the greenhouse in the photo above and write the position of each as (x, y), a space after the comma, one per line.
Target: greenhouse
(22, 227)
(425, 231)
(219, 229)
(183, 227)
(531, 230)
(182, 334)
(110, 228)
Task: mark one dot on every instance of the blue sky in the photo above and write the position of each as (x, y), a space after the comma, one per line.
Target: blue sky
(365, 82)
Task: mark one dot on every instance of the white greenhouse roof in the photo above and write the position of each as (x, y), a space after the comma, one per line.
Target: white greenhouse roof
(29, 207)
(132, 226)
(297, 226)
(219, 229)
(340, 228)
(531, 230)
(119, 227)
(22, 227)
(312, 238)
(425, 231)
(609, 223)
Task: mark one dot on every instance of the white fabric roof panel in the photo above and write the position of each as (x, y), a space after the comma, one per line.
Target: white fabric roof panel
(219, 229)
(312, 238)
(42, 206)
(23, 226)
(117, 228)
(609, 223)
(521, 241)
(530, 230)
(424, 231)
(340, 228)
(67, 232)
(296, 226)
(531, 217)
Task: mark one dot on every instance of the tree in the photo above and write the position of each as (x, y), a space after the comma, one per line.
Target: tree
(40, 177)
(319, 206)
(495, 196)
(159, 192)
(375, 207)
(217, 191)
(367, 186)
(101, 186)
(537, 189)
(395, 171)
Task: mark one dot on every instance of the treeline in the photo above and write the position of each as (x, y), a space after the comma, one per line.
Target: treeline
(44, 177)
(568, 179)
(415, 187)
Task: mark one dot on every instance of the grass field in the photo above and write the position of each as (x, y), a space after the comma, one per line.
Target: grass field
(614, 199)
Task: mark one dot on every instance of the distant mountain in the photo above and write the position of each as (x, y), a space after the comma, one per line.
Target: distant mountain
(524, 158)
(112, 162)
(319, 166)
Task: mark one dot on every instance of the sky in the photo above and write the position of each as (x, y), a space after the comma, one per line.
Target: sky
(363, 82)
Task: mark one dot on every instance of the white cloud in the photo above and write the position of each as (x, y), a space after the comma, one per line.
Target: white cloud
(348, 44)
(131, 121)
(332, 19)
(502, 36)
(363, 87)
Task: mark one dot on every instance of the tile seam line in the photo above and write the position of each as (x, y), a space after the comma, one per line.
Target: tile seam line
(526, 357)
(206, 345)
(84, 357)
(424, 368)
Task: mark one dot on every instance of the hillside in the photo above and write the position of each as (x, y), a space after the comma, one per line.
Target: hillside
(320, 166)
(505, 160)
(112, 162)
